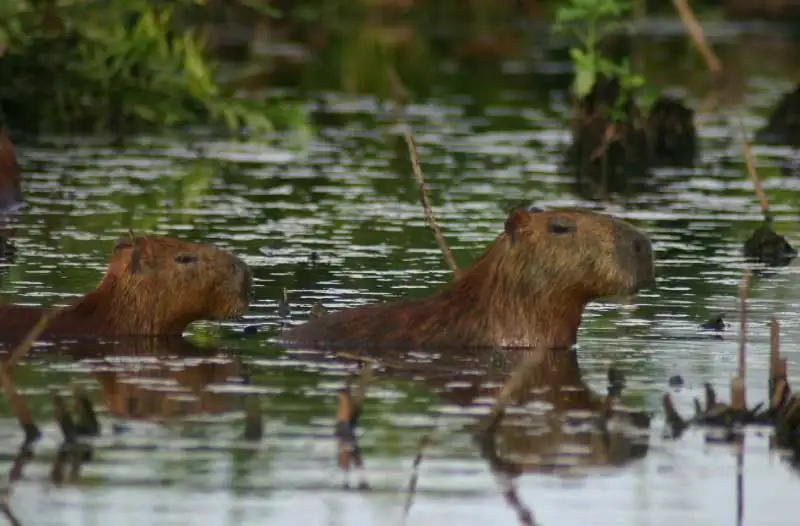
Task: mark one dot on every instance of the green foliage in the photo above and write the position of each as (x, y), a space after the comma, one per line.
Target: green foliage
(112, 65)
(589, 21)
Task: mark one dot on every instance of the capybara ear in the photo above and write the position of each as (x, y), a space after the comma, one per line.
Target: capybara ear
(515, 219)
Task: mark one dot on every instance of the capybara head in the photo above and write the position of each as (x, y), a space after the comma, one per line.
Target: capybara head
(589, 255)
(10, 191)
(158, 285)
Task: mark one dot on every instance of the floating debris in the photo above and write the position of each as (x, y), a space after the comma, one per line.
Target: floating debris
(676, 381)
(714, 324)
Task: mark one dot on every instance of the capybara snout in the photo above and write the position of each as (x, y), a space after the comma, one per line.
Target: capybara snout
(579, 252)
(635, 254)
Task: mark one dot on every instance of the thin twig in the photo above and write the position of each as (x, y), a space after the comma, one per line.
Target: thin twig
(751, 169)
(696, 32)
(738, 388)
(743, 285)
(401, 98)
(412, 483)
(774, 356)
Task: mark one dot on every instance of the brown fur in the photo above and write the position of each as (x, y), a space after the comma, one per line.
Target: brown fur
(10, 190)
(147, 291)
(529, 287)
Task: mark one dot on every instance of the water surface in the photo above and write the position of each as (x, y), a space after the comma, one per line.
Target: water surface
(333, 216)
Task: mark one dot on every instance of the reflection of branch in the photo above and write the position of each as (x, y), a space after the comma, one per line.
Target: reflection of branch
(19, 407)
(487, 427)
(86, 423)
(412, 483)
(254, 422)
(512, 388)
(10, 516)
(347, 414)
(25, 345)
(401, 98)
(504, 473)
(696, 32)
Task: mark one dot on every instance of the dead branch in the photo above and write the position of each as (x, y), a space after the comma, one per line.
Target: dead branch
(401, 99)
(696, 33)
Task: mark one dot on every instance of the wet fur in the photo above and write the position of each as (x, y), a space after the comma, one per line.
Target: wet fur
(530, 286)
(145, 291)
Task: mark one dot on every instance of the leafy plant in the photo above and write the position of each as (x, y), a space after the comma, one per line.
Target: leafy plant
(114, 65)
(589, 21)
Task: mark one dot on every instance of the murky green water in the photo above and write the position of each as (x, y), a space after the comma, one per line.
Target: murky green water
(334, 217)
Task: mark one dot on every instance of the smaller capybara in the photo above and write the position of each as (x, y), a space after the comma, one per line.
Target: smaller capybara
(528, 288)
(10, 190)
(154, 286)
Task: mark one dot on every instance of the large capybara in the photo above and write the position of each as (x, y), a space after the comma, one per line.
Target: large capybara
(528, 288)
(154, 286)
(10, 189)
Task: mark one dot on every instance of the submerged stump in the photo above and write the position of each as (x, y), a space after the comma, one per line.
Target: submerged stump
(672, 134)
(609, 140)
(768, 247)
(783, 124)
(614, 144)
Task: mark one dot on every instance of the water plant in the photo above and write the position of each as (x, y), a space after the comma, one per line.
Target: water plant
(589, 21)
(114, 66)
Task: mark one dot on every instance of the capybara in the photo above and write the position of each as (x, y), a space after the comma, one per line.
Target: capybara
(10, 190)
(528, 288)
(153, 286)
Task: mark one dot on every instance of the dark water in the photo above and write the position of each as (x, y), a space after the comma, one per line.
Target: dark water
(333, 216)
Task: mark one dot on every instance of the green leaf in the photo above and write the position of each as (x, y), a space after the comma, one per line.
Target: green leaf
(584, 80)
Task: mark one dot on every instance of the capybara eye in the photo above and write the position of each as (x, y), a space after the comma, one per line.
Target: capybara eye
(557, 226)
(183, 259)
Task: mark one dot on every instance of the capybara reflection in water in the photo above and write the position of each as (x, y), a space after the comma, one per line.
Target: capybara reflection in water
(10, 192)
(159, 378)
(528, 288)
(153, 286)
